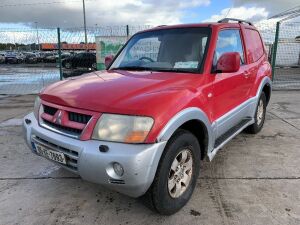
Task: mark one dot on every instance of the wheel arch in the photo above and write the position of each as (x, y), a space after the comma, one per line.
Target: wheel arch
(194, 120)
(267, 90)
(265, 86)
(199, 130)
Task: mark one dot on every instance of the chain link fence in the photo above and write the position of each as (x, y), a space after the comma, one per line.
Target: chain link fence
(287, 64)
(24, 68)
(30, 58)
(282, 40)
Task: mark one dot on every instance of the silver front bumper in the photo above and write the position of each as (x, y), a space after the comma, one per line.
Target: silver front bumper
(139, 161)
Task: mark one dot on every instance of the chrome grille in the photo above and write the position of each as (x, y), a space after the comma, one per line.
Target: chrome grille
(49, 110)
(68, 130)
(71, 155)
(51, 119)
(79, 118)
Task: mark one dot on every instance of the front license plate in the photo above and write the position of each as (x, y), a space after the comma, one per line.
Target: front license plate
(50, 154)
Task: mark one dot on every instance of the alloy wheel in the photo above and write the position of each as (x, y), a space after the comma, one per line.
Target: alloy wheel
(180, 173)
(260, 112)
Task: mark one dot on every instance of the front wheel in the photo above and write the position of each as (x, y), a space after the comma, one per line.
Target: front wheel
(176, 175)
(260, 115)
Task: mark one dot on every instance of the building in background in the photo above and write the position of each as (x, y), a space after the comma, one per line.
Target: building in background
(66, 46)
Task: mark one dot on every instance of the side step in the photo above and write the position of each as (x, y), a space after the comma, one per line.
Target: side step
(230, 134)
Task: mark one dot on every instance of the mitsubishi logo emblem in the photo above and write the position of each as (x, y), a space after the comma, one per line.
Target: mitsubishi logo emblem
(58, 118)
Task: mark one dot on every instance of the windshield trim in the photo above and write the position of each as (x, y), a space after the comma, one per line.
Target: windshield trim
(198, 70)
(157, 69)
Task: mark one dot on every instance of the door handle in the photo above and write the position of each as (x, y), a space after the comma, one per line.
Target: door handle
(246, 74)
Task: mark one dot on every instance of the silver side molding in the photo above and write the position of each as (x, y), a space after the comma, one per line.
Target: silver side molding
(212, 154)
(192, 113)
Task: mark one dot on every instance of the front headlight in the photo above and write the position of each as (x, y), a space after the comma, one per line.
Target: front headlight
(37, 104)
(122, 128)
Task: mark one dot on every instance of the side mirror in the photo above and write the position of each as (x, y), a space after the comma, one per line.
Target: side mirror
(107, 61)
(229, 62)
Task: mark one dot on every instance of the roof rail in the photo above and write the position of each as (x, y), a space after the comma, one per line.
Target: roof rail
(226, 20)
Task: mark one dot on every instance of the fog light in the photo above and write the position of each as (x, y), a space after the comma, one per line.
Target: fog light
(118, 168)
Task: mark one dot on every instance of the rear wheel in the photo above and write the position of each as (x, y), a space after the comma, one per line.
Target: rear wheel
(260, 115)
(176, 174)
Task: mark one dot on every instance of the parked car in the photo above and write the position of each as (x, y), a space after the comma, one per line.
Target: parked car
(64, 55)
(83, 60)
(30, 58)
(143, 126)
(2, 57)
(49, 57)
(14, 57)
(38, 56)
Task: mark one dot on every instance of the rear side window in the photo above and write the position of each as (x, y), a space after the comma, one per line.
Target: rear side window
(255, 48)
(229, 40)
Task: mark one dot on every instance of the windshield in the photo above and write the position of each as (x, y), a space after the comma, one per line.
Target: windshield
(178, 50)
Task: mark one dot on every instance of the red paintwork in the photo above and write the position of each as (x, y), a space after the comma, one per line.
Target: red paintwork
(161, 95)
(229, 62)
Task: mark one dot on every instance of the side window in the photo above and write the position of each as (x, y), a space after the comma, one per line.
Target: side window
(229, 41)
(254, 45)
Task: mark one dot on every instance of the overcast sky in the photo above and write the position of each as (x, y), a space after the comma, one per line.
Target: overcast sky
(68, 13)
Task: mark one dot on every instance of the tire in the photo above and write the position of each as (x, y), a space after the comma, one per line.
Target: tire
(259, 116)
(161, 197)
(94, 66)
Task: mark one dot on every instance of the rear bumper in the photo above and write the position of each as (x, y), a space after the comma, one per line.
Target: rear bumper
(139, 161)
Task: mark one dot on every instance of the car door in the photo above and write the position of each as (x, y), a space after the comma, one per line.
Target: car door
(86, 60)
(77, 60)
(229, 89)
(91, 60)
(80, 60)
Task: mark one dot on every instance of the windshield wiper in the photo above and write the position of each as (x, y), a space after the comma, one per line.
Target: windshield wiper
(141, 68)
(138, 68)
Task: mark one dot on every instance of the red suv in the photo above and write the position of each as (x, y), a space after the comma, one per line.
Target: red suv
(172, 96)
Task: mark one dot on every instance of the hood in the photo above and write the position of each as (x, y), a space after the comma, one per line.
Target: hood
(120, 91)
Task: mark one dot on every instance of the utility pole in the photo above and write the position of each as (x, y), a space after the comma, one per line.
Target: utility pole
(84, 23)
(37, 35)
(59, 54)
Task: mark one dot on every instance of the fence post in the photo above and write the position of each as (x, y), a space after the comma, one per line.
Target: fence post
(59, 54)
(274, 50)
(127, 31)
